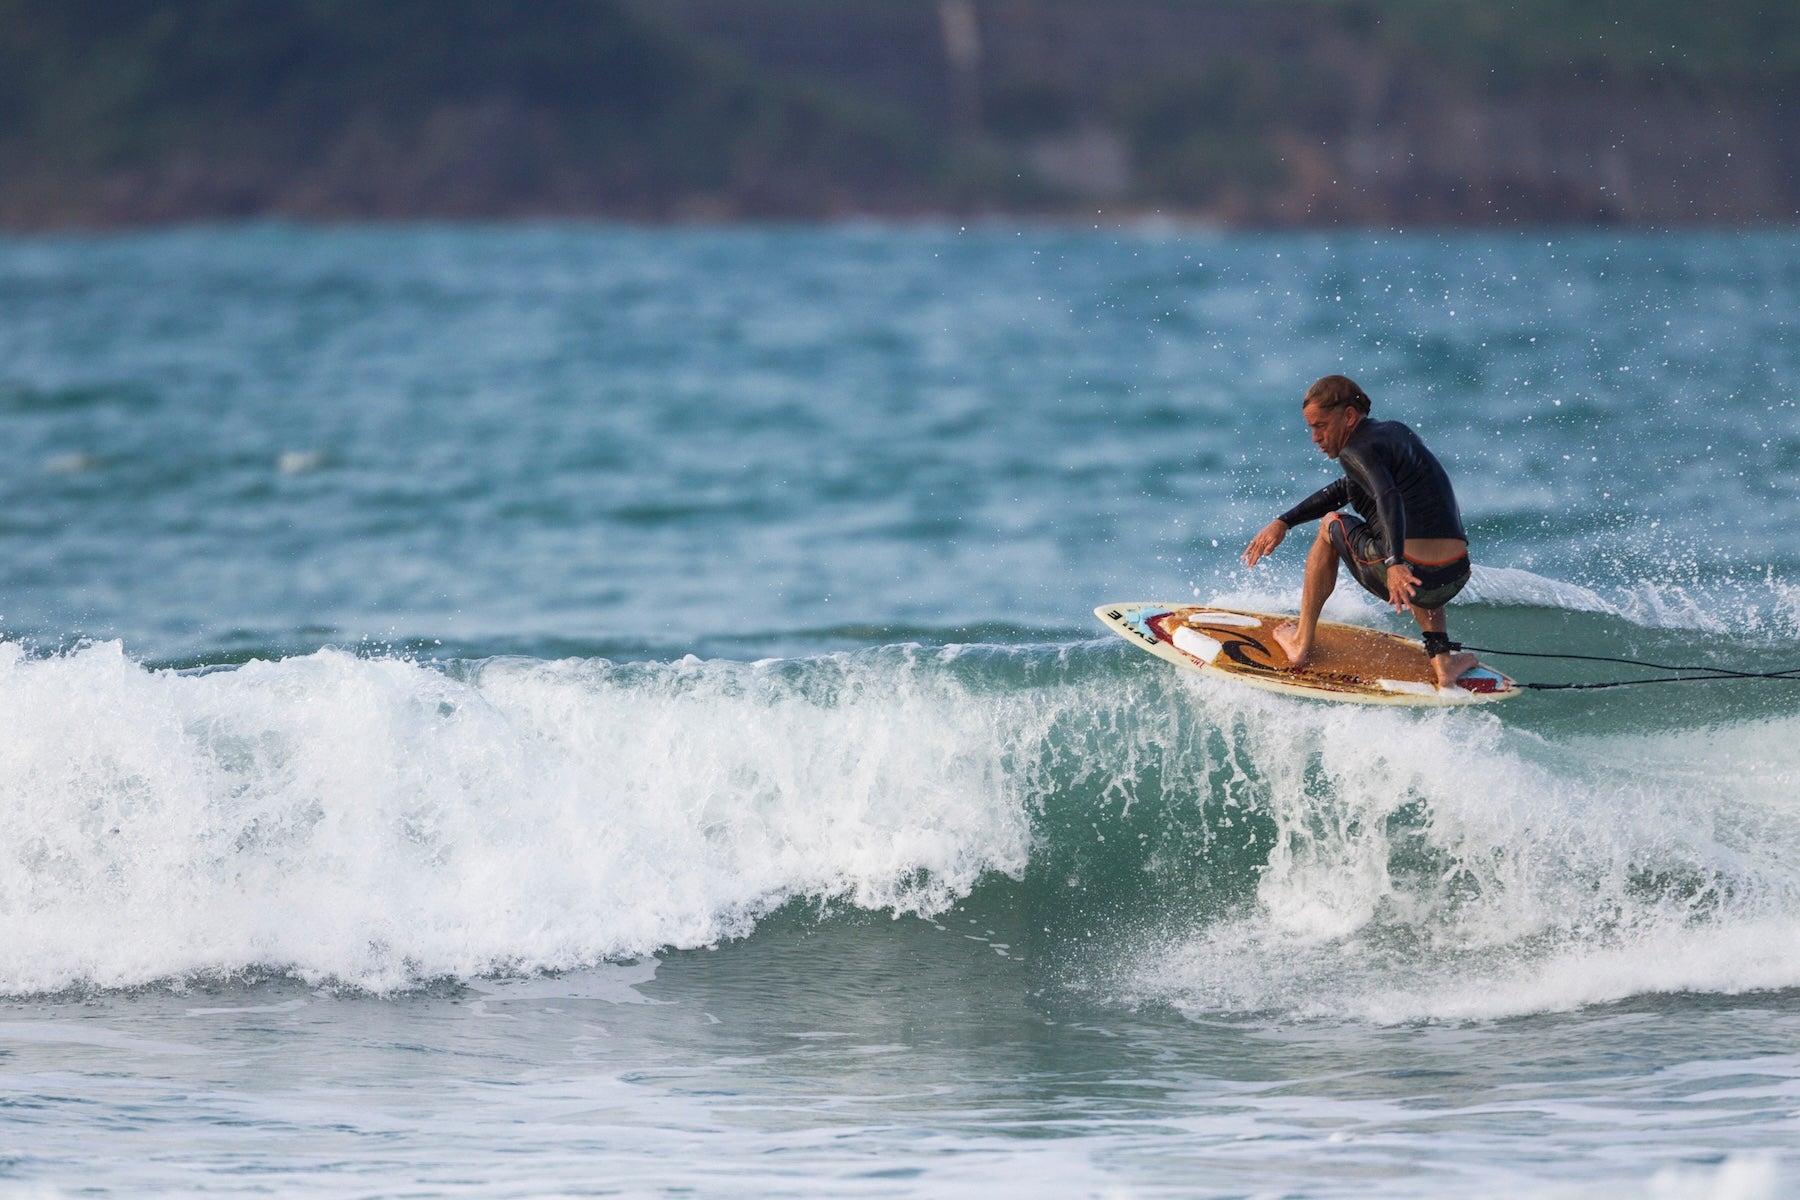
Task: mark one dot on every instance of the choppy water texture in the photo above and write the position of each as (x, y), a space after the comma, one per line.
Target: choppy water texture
(588, 711)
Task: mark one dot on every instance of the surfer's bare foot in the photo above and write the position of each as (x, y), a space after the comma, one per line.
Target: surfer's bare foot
(1287, 636)
(1451, 667)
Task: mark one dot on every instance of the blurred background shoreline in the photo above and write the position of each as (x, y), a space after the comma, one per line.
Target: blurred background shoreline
(1252, 114)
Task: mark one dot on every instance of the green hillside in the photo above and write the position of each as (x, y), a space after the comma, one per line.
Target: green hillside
(599, 108)
(1259, 111)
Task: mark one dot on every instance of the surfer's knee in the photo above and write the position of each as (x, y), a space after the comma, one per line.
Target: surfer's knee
(1323, 545)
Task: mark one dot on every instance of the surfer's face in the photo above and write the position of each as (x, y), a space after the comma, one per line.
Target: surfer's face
(1330, 426)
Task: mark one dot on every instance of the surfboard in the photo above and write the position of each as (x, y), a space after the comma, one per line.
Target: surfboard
(1349, 662)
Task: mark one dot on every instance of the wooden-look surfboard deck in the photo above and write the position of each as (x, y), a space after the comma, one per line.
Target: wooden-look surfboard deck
(1349, 662)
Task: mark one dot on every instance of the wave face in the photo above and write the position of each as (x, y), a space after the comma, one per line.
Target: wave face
(382, 823)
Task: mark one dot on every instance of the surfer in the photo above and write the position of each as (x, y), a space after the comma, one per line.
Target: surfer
(1407, 546)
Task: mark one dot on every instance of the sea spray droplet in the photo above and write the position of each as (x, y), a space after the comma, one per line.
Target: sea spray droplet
(75, 463)
(300, 462)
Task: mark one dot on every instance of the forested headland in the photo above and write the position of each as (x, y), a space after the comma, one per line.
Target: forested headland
(1376, 113)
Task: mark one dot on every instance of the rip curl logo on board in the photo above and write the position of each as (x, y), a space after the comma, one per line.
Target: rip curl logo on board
(1238, 647)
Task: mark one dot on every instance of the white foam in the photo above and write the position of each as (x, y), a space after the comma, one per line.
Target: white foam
(1739, 1177)
(377, 821)
(1445, 866)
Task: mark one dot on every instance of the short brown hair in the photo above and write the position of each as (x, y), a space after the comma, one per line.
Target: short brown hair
(1337, 391)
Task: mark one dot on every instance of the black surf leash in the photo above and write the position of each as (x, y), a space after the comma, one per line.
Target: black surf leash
(1702, 674)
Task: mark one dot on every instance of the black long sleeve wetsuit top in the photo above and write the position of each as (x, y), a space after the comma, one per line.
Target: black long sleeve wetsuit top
(1393, 482)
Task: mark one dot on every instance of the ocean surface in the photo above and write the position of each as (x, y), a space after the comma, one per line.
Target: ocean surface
(522, 711)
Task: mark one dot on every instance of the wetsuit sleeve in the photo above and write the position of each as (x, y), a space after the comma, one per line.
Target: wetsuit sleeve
(1327, 499)
(1375, 479)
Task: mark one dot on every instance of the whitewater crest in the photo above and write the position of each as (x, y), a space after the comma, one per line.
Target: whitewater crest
(1447, 867)
(378, 821)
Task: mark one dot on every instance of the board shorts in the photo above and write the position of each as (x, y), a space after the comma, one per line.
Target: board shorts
(1364, 551)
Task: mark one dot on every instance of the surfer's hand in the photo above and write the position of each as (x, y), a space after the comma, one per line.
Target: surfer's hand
(1402, 583)
(1264, 543)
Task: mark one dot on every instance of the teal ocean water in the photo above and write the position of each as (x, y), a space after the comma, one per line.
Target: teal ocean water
(599, 711)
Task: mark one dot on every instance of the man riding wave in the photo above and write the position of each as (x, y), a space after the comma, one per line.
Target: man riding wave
(1407, 545)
